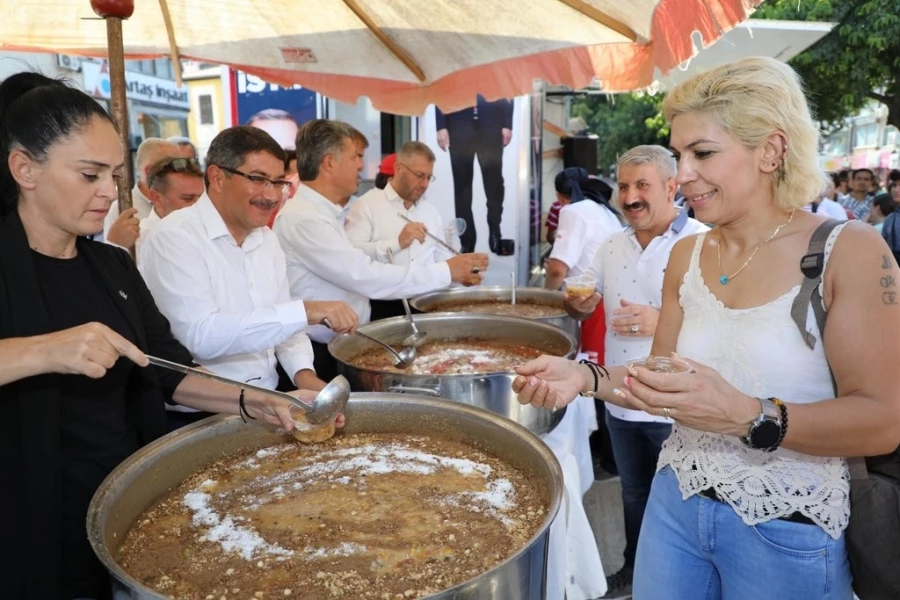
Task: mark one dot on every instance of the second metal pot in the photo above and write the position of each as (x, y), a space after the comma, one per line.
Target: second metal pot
(491, 391)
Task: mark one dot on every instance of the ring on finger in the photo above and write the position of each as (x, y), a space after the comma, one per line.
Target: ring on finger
(635, 328)
(476, 270)
(666, 413)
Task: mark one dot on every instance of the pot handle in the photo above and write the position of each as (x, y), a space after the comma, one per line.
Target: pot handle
(434, 392)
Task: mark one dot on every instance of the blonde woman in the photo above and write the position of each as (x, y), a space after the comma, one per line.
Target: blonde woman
(734, 511)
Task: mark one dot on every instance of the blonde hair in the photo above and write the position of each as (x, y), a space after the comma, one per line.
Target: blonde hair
(751, 99)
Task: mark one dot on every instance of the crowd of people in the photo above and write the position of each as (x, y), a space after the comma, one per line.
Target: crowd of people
(212, 285)
(248, 265)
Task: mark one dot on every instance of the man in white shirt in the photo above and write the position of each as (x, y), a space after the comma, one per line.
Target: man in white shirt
(322, 263)
(826, 206)
(174, 183)
(123, 230)
(218, 273)
(629, 268)
(374, 224)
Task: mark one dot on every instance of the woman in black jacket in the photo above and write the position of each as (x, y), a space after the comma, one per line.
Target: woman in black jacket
(75, 321)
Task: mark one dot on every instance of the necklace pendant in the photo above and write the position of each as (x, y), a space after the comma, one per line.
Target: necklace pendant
(723, 279)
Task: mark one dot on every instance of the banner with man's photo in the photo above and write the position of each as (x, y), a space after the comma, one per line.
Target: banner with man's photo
(482, 177)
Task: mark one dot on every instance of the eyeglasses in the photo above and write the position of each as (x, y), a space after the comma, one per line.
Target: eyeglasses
(282, 186)
(418, 174)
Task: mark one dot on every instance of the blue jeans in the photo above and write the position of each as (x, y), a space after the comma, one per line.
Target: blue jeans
(700, 549)
(636, 446)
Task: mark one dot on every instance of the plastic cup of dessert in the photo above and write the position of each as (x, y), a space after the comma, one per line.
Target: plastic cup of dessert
(580, 286)
(660, 364)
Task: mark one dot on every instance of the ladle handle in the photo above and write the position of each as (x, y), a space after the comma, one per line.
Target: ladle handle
(409, 315)
(412, 323)
(173, 366)
(396, 354)
(432, 236)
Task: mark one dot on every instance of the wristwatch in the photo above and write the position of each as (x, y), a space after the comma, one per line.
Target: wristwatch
(765, 431)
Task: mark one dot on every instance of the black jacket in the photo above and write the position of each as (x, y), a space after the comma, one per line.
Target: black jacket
(30, 499)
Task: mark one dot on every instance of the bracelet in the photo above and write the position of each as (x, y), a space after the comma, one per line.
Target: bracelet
(784, 420)
(595, 371)
(242, 409)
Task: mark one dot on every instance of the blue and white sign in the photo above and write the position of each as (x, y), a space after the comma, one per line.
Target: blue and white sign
(253, 95)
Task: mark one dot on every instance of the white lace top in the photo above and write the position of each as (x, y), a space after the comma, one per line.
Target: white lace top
(761, 353)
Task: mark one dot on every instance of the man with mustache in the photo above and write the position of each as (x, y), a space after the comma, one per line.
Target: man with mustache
(629, 268)
(218, 273)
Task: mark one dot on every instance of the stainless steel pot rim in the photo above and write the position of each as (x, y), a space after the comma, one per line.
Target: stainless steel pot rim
(493, 293)
(423, 320)
(101, 496)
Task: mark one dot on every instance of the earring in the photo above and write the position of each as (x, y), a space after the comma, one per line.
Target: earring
(779, 173)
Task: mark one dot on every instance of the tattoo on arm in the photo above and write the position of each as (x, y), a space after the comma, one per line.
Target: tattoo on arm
(888, 283)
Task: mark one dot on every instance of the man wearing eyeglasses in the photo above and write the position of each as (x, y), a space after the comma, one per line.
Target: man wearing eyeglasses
(322, 261)
(174, 183)
(376, 224)
(218, 273)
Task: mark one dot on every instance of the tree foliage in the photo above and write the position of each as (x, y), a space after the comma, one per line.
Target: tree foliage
(622, 122)
(858, 61)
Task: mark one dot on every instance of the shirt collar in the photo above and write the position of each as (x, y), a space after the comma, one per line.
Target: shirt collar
(676, 226)
(306, 192)
(392, 195)
(680, 221)
(215, 224)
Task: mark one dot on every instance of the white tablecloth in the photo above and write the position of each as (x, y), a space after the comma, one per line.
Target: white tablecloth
(574, 571)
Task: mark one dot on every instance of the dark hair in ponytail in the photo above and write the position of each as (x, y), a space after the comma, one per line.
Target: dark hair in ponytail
(35, 113)
(575, 183)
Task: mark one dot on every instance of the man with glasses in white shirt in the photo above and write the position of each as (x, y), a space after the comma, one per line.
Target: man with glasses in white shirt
(376, 225)
(218, 273)
(322, 262)
(629, 267)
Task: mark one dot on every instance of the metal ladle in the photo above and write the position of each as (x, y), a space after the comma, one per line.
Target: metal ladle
(402, 360)
(417, 338)
(324, 408)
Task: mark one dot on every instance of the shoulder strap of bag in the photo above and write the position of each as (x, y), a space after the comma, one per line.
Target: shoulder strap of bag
(813, 265)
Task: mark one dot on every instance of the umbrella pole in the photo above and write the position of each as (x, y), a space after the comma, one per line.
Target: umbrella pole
(119, 103)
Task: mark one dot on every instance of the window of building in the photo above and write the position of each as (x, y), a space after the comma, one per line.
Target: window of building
(865, 135)
(891, 136)
(206, 109)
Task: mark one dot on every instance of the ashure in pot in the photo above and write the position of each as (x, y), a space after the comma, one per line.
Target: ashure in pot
(136, 485)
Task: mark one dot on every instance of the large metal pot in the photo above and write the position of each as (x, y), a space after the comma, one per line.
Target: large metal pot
(151, 472)
(435, 301)
(491, 391)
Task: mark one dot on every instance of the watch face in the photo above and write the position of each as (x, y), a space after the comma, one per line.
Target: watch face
(765, 434)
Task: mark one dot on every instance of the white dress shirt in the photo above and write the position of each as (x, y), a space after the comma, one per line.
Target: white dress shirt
(146, 224)
(138, 201)
(374, 225)
(624, 270)
(229, 305)
(582, 227)
(323, 264)
(830, 209)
